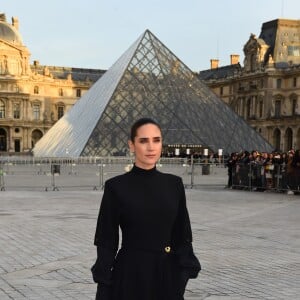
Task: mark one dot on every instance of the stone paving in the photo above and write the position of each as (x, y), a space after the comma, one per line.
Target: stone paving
(248, 244)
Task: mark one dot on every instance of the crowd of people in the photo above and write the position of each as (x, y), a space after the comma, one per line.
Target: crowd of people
(262, 170)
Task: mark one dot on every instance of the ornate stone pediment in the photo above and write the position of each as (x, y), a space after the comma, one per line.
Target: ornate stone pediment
(255, 50)
(251, 45)
(14, 60)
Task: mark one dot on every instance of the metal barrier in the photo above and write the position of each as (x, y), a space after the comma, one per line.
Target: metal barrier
(48, 174)
(275, 177)
(91, 173)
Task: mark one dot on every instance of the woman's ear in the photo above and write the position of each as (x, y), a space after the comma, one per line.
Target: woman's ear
(131, 146)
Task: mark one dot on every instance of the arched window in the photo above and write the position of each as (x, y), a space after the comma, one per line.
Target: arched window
(36, 111)
(3, 138)
(60, 111)
(17, 110)
(278, 83)
(36, 90)
(2, 110)
(35, 136)
(294, 106)
(276, 138)
(221, 90)
(277, 113)
(288, 139)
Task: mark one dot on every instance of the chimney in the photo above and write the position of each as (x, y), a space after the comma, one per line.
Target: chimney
(234, 59)
(2, 17)
(214, 63)
(15, 22)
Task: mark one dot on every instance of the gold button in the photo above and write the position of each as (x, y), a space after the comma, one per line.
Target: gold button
(168, 249)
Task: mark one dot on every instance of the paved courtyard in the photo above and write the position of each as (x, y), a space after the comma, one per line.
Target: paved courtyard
(248, 244)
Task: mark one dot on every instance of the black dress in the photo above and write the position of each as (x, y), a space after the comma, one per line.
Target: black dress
(156, 257)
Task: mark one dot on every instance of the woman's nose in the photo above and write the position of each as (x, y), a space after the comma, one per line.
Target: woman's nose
(150, 146)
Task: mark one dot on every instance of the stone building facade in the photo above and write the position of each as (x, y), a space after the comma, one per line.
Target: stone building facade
(265, 91)
(32, 96)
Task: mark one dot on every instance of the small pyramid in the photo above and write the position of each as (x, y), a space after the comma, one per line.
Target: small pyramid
(148, 80)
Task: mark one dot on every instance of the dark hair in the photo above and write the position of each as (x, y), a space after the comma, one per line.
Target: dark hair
(140, 122)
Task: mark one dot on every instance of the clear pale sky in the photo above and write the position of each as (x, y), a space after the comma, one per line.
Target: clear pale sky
(94, 33)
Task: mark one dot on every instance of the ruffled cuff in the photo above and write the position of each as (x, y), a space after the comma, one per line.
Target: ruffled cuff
(102, 269)
(188, 262)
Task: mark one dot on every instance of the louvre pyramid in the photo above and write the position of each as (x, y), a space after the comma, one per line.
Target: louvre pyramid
(148, 80)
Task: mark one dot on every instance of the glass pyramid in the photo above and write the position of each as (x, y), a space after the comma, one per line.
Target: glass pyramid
(148, 80)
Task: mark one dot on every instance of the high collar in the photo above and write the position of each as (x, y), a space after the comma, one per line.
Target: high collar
(143, 172)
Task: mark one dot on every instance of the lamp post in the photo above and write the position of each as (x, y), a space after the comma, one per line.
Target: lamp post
(220, 154)
(205, 166)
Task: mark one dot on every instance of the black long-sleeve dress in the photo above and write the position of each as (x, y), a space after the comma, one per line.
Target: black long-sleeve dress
(156, 257)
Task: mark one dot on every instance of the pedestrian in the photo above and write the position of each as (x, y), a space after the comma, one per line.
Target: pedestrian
(156, 258)
(231, 165)
(296, 171)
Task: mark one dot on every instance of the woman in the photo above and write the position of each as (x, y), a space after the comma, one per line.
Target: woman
(269, 171)
(156, 257)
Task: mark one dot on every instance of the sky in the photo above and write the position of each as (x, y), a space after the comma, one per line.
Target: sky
(95, 33)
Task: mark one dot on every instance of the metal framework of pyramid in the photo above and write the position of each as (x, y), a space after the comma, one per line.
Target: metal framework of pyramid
(148, 80)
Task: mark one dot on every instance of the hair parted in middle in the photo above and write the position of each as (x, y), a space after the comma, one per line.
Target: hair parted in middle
(140, 122)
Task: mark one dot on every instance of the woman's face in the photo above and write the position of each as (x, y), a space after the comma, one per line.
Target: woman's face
(147, 146)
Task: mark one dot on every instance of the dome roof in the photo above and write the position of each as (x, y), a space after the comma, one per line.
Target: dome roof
(10, 34)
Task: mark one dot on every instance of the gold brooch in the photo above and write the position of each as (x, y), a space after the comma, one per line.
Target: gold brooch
(167, 249)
